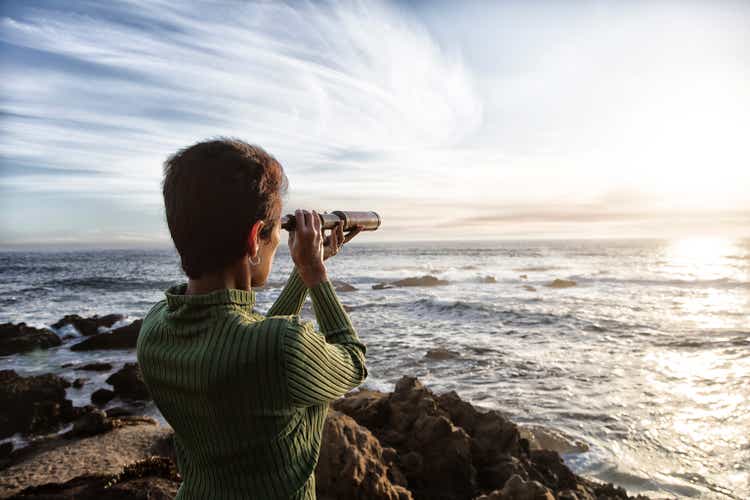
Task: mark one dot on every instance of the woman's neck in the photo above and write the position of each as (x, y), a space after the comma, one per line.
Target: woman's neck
(237, 277)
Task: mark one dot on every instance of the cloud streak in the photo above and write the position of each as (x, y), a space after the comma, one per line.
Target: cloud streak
(371, 105)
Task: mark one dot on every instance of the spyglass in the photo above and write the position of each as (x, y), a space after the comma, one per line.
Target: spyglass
(369, 221)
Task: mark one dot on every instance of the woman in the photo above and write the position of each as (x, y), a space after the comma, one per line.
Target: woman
(246, 394)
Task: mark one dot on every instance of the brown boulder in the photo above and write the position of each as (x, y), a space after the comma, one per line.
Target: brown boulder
(19, 338)
(352, 464)
(128, 383)
(33, 404)
(558, 283)
(124, 337)
(342, 286)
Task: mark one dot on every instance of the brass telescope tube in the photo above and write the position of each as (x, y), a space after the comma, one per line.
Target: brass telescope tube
(369, 221)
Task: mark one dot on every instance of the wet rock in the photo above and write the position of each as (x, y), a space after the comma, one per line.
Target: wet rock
(119, 411)
(441, 353)
(341, 286)
(558, 283)
(23, 338)
(352, 463)
(529, 288)
(88, 326)
(101, 397)
(95, 367)
(33, 404)
(426, 280)
(78, 383)
(122, 338)
(154, 478)
(543, 438)
(92, 422)
(6, 449)
(524, 276)
(488, 279)
(128, 383)
(518, 489)
(383, 286)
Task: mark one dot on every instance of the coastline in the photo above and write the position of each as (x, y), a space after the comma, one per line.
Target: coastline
(408, 443)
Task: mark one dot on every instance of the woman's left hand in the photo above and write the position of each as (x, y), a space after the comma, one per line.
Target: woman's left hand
(334, 241)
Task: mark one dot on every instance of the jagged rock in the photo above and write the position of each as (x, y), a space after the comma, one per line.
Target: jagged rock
(92, 422)
(122, 338)
(6, 449)
(101, 397)
(23, 338)
(154, 478)
(128, 383)
(426, 280)
(352, 463)
(88, 326)
(448, 448)
(488, 279)
(95, 367)
(118, 411)
(33, 404)
(78, 383)
(558, 283)
(441, 353)
(342, 286)
(524, 276)
(529, 288)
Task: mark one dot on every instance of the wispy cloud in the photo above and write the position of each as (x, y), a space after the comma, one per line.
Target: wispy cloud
(368, 105)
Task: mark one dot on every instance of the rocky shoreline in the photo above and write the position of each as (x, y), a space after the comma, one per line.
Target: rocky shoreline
(405, 444)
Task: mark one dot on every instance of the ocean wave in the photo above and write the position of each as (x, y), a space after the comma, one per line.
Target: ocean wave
(712, 283)
(106, 283)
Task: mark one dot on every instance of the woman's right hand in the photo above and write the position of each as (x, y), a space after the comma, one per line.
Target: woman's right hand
(306, 247)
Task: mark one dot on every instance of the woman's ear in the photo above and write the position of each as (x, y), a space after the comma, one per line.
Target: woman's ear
(252, 239)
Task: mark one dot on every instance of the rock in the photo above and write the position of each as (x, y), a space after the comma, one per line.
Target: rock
(154, 478)
(425, 280)
(78, 383)
(488, 279)
(128, 383)
(518, 489)
(101, 397)
(351, 463)
(119, 411)
(95, 367)
(6, 449)
(341, 286)
(447, 448)
(88, 326)
(558, 283)
(33, 404)
(529, 288)
(122, 338)
(164, 447)
(441, 353)
(23, 338)
(92, 422)
(383, 286)
(543, 438)
(524, 276)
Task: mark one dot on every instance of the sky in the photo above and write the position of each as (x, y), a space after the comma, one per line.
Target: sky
(453, 120)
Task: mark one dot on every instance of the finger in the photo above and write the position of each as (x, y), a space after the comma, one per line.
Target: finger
(335, 239)
(307, 216)
(316, 222)
(340, 233)
(351, 234)
(299, 219)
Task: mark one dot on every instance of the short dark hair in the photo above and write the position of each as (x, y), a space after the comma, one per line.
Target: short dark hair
(214, 191)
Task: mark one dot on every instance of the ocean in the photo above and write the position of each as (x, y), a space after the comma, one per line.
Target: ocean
(646, 359)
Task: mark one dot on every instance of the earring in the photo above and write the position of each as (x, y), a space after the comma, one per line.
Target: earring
(256, 262)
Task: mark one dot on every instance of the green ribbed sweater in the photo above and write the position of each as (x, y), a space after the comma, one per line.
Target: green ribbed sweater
(247, 394)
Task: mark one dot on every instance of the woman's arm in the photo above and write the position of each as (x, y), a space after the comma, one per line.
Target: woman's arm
(292, 297)
(321, 367)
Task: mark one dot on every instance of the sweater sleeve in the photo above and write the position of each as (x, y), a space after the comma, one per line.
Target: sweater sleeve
(321, 367)
(291, 298)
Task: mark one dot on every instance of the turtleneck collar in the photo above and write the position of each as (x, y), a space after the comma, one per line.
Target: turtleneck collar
(182, 306)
